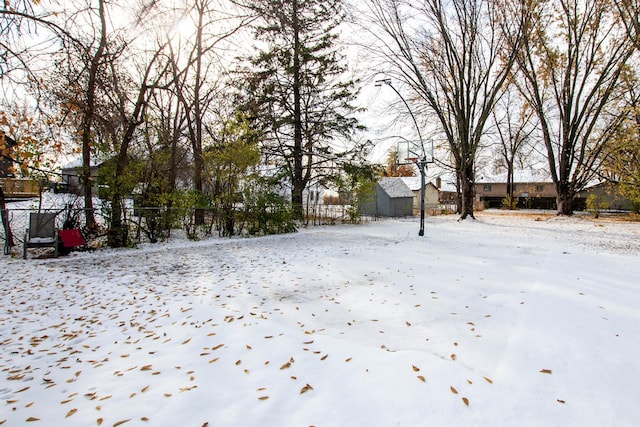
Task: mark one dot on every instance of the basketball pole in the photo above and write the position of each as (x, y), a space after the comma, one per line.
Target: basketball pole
(422, 162)
(422, 165)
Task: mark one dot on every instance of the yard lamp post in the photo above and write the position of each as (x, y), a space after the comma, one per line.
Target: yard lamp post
(421, 158)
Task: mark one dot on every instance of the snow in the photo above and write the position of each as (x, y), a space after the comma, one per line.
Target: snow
(524, 320)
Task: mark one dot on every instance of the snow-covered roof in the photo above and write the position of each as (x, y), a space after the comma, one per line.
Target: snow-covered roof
(77, 163)
(528, 175)
(413, 182)
(395, 187)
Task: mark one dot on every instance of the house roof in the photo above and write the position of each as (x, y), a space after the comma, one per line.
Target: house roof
(395, 187)
(414, 182)
(519, 176)
(77, 164)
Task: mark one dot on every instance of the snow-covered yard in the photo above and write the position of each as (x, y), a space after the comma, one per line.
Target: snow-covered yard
(524, 320)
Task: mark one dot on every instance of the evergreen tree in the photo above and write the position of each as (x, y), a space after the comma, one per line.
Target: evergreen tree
(298, 94)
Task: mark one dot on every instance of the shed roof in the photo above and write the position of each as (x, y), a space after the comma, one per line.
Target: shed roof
(414, 183)
(395, 187)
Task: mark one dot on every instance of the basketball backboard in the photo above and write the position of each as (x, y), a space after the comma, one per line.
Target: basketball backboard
(410, 152)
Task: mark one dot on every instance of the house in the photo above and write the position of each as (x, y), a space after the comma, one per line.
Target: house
(607, 195)
(20, 188)
(14, 188)
(530, 195)
(6, 161)
(71, 178)
(431, 193)
(391, 198)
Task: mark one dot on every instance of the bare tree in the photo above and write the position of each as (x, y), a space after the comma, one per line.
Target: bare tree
(21, 59)
(132, 103)
(573, 56)
(453, 56)
(95, 60)
(514, 124)
(198, 69)
(630, 15)
(109, 77)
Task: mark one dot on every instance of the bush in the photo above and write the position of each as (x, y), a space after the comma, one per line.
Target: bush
(595, 204)
(270, 214)
(510, 202)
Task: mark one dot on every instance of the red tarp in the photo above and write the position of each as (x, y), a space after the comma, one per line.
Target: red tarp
(71, 238)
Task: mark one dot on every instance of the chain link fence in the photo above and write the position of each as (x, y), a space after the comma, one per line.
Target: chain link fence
(152, 224)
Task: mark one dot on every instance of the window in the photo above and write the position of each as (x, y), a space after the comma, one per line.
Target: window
(487, 187)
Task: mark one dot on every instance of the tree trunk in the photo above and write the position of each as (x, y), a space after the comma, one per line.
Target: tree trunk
(8, 236)
(118, 233)
(510, 199)
(87, 120)
(564, 200)
(298, 182)
(297, 199)
(467, 189)
(198, 164)
(85, 178)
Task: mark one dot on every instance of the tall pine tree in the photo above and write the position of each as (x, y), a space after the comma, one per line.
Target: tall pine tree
(298, 90)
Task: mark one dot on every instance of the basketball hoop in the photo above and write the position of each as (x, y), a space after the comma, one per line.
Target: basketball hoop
(411, 159)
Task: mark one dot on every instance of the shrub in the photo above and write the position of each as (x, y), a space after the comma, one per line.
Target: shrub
(595, 204)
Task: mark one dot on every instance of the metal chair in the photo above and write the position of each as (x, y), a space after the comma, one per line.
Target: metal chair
(42, 232)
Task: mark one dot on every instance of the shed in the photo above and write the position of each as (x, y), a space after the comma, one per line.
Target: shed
(392, 198)
(431, 192)
(71, 177)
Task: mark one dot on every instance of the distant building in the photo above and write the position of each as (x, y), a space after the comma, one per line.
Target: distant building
(530, 195)
(391, 198)
(71, 178)
(14, 188)
(431, 193)
(6, 160)
(608, 197)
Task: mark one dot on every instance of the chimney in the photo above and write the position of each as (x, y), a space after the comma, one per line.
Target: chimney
(438, 182)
